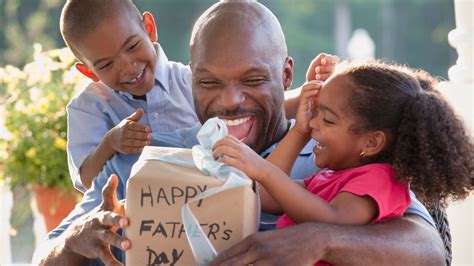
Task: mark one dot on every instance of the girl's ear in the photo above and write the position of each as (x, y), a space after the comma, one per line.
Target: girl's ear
(375, 143)
(150, 26)
(87, 72)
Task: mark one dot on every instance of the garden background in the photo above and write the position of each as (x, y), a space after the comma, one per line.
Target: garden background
(37, 80)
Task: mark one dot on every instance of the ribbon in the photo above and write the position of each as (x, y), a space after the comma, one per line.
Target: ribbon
(211, 132)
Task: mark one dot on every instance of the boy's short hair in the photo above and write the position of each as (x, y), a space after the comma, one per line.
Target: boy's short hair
(79, 17)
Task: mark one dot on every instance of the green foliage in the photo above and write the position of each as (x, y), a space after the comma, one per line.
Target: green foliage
(408, 32)
(34, 133)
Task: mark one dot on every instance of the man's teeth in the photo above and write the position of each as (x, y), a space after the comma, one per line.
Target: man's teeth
(319, 146)
(236, 122)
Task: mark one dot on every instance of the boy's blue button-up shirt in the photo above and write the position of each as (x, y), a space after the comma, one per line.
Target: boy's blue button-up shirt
(97, 109)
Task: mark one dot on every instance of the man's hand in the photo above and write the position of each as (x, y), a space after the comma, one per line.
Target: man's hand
(93, 235)
(129, 136)
(289, 246)
(321, 67)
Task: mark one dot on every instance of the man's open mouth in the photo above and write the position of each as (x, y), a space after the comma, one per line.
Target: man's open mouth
(239, 127)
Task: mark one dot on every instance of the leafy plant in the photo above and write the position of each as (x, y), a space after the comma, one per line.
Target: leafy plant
(33, 114)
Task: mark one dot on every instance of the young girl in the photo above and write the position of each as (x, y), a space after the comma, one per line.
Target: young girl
(379, 128)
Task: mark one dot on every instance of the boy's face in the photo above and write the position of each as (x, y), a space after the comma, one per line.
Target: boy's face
(120, 52)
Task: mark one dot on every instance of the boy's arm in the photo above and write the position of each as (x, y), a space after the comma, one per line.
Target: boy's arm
(94, 163)
(127, 137)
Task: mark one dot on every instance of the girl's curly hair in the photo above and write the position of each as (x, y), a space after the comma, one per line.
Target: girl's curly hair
(429, 143)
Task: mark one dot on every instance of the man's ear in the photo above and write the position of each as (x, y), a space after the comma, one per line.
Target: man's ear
(87, 72)
(375, 143)
(150, 26)
(288, 73)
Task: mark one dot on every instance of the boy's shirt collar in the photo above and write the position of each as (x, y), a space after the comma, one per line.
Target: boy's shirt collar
(162, 68)
(161, 74)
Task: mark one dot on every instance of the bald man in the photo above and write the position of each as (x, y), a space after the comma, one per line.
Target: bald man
(240, 69)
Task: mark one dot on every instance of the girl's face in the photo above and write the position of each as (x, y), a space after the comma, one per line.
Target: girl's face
(339, 147)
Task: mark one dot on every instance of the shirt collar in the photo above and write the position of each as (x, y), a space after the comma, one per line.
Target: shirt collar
(162, 70)
(307, 150)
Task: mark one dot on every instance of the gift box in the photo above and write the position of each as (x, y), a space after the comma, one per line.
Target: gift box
(168, 197)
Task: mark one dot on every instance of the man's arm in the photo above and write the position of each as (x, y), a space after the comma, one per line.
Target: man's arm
(56, 252)
(90, 235)
(403, 241)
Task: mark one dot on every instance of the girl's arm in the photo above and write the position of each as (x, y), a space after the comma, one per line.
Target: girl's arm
(303, 206)
(280, 193)
(286, 152)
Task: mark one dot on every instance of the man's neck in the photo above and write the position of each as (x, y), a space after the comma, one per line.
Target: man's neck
(284, 128)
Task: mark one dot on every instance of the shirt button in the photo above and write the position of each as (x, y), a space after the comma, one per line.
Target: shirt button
(156, 115)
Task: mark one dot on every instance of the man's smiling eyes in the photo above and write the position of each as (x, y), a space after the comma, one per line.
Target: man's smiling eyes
(254, 81)
(205, 83)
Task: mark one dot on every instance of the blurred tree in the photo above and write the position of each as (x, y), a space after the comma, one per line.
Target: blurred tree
(411, 32)
(26, 22)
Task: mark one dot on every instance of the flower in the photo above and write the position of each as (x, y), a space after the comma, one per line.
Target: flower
(31, 153)
(60, 143)
(33, 122)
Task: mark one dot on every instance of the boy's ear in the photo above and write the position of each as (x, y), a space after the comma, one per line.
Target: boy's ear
(87, 72)
(150, 26)
(375, 143)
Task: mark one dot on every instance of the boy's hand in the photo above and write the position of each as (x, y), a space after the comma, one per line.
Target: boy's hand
(235, 153)
(308, 105)
(321, 67)
(129, 136)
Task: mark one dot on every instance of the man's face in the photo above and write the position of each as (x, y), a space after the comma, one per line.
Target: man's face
(121, 54)
(236, 78)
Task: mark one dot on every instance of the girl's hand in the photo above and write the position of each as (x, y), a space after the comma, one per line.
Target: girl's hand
(235, 153)
(308, 105)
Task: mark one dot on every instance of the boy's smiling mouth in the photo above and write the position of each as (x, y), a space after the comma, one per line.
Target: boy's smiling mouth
(137, 79)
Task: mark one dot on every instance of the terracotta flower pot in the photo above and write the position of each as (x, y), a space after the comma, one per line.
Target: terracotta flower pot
(54, 204)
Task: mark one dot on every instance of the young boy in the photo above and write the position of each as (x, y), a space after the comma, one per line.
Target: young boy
(135, 89)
